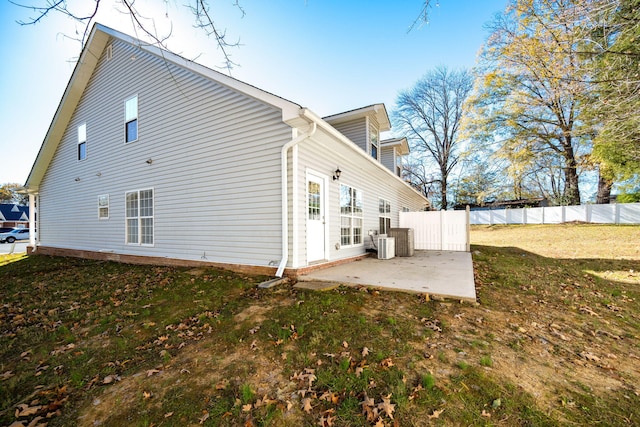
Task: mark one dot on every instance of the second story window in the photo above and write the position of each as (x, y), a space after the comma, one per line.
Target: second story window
(373, 136)
(82, 141)
(131, 119)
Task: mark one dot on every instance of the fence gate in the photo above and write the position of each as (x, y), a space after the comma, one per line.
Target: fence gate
(438, 230)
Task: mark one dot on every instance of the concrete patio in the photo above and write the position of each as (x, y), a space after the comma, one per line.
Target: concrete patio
(442, 273)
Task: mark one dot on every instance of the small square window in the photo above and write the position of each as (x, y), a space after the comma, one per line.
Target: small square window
(103, 206)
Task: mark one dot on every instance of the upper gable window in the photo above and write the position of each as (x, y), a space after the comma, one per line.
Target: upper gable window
(131, 119)
(82, 141)
(373, 138)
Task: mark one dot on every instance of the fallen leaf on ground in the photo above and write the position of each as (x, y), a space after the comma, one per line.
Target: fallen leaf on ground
(387, 407)
(26, 410)
(306, 405)
(436, 413)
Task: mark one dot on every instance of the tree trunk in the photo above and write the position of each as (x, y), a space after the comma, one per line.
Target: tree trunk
(443, 193)
(604, 190)
(571, 186)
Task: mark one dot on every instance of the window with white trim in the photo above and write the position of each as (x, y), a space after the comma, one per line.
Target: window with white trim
(103, 206)
(139, 217)
(373, 139)
(350, 216)
(131, 119)
(82, 141)
(384, 209)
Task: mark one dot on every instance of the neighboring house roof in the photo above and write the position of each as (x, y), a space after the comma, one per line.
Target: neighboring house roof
(401, 144)
(378, 110)
(12, 212)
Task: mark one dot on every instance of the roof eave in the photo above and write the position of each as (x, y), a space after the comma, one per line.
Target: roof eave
(82, 72)
(378, 110)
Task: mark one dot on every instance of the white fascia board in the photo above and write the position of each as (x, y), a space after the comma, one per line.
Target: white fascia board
(378, 110)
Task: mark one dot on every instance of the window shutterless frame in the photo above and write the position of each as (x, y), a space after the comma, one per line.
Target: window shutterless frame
(351, 216)
(82, 142)
(384, 214)
(103, 206)
(139, 217)
(131, 119)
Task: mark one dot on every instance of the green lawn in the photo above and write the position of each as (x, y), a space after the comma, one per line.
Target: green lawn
(553, 341)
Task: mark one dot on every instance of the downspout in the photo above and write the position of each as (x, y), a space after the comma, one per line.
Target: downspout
(285, 192)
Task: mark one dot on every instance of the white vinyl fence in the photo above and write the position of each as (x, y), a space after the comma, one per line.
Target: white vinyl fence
(616, 213)
(438, 230)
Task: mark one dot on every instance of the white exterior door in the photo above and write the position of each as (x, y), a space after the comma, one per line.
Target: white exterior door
(315, 218)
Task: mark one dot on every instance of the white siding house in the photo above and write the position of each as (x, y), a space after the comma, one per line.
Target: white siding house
(153, 158)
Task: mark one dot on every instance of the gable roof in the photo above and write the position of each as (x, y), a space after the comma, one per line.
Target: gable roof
(97, 41)
(13, 212)
(401, 145)
(101, 36)
(378, 111)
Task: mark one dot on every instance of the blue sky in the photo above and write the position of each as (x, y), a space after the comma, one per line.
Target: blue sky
(327, 55)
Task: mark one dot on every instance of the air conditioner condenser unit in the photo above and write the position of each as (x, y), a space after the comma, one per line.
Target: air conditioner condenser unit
(386, 247)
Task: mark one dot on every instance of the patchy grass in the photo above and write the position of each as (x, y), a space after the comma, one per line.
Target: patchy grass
(553, 341)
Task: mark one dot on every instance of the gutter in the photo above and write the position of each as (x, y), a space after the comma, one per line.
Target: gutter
(285, 188)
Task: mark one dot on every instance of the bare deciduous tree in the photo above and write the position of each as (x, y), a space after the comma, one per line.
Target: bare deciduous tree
(86, 17)
(430, 115)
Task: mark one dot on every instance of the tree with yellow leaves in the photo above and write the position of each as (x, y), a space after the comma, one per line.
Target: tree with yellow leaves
(529, 89)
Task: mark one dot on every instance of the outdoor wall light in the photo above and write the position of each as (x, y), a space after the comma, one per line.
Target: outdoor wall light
(336, 174)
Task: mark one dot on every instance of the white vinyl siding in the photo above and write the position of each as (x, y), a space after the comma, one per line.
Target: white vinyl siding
(208, 210)
(356, 131)
(323, 154)
(388, 158)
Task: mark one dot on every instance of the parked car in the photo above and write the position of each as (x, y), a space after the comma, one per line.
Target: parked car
(15, 234)
(6, 229)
